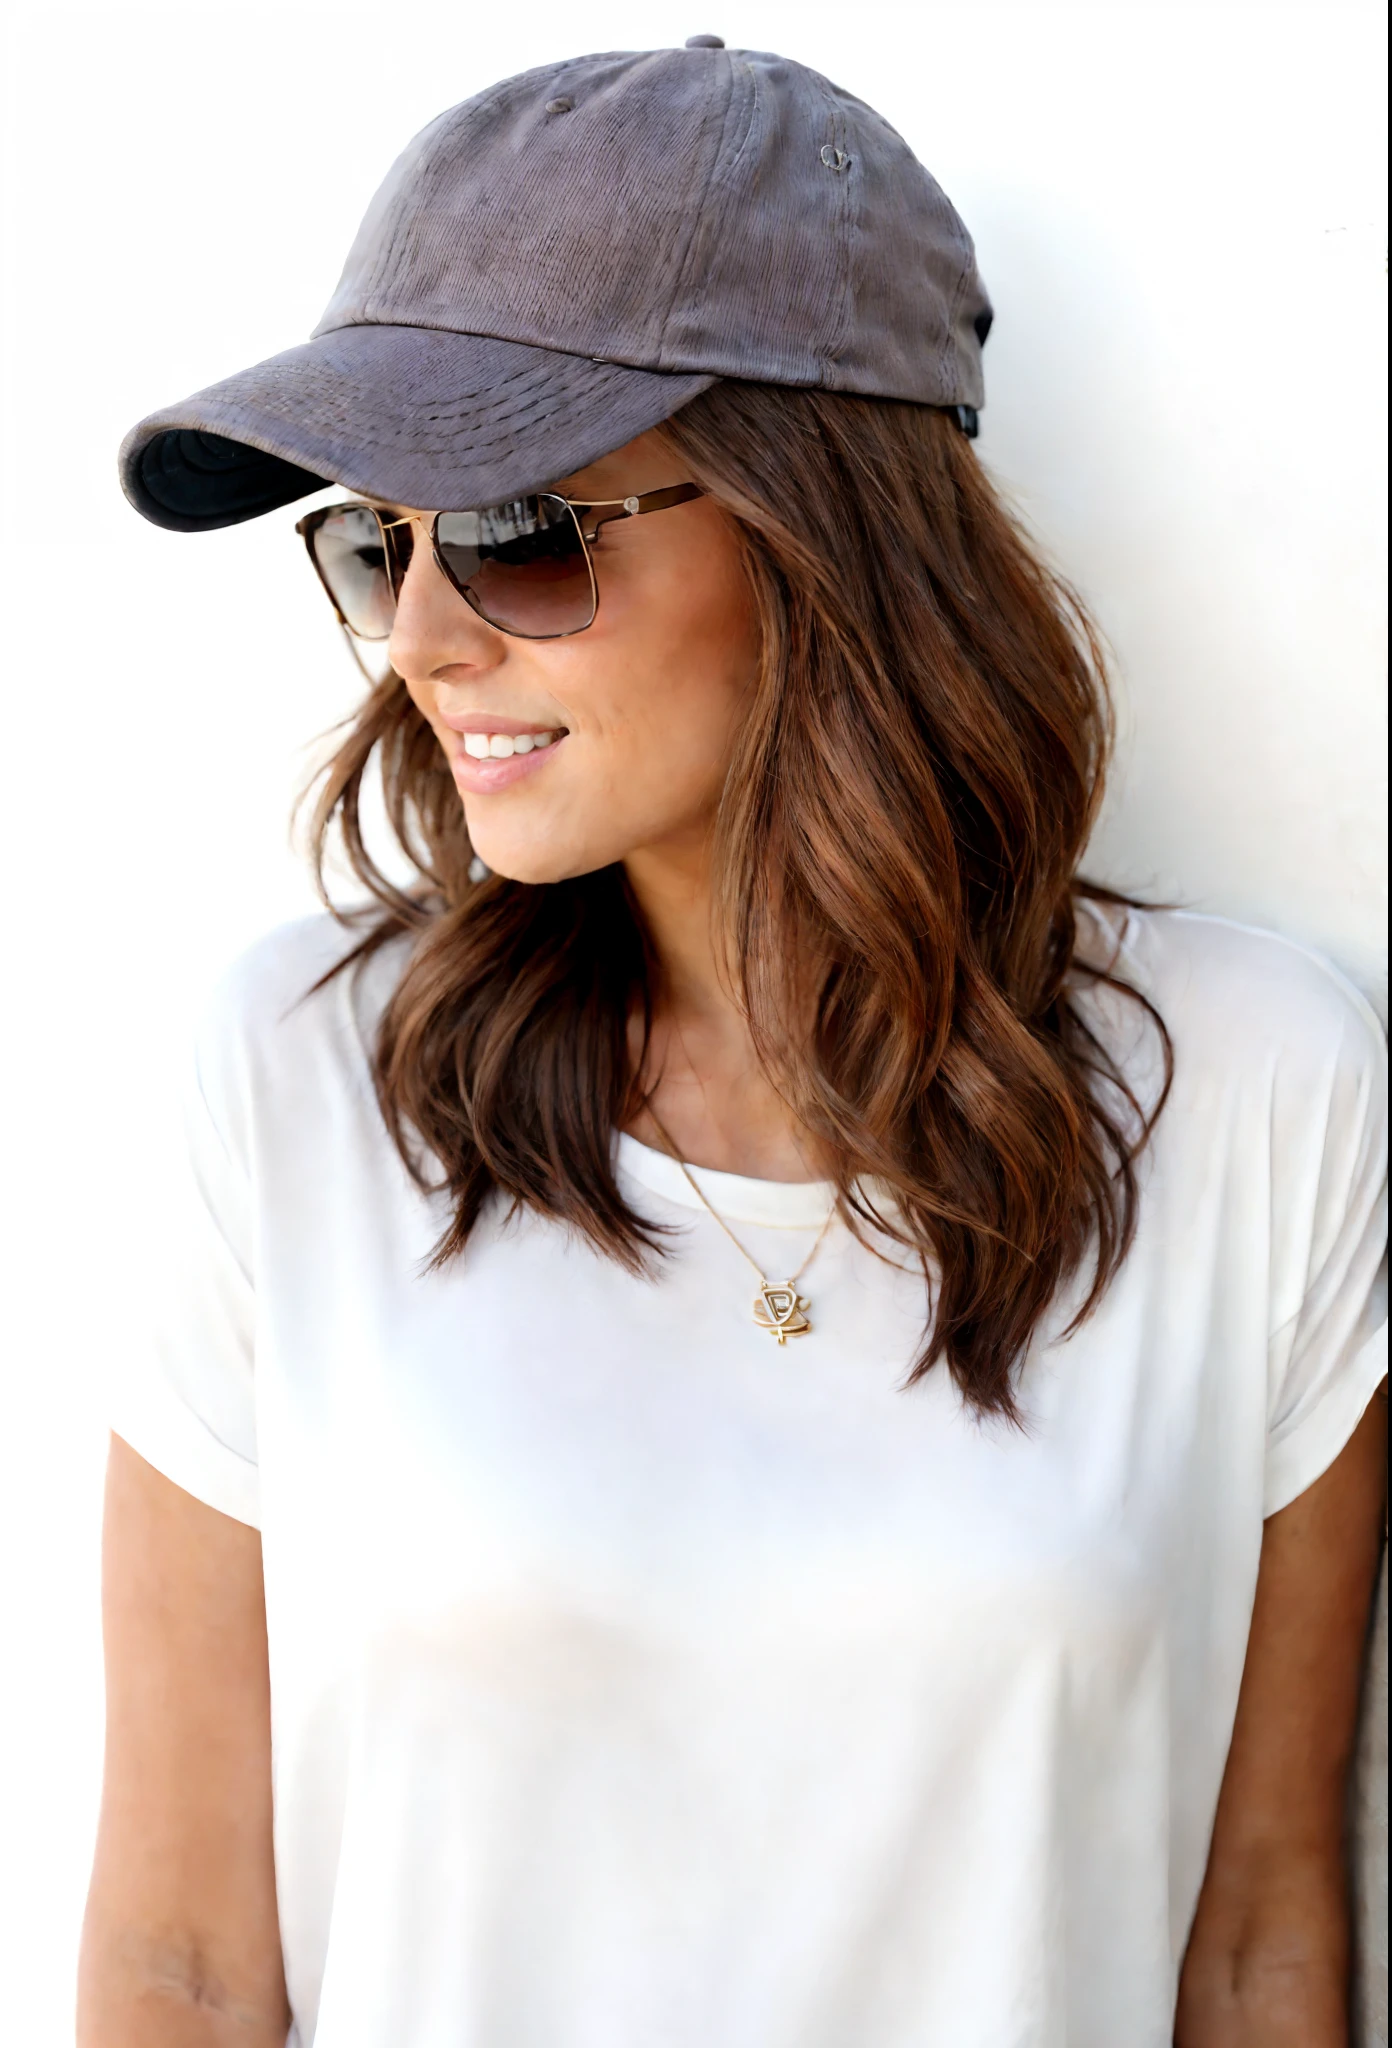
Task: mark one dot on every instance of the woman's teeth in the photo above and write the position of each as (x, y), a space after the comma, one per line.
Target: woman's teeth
(501, 746)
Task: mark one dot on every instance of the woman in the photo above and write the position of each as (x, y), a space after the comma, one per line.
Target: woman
(803, 1376)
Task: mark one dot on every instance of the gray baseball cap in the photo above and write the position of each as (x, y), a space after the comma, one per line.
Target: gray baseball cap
(566, 260)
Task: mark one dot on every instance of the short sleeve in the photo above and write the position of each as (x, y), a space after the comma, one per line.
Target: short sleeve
(1328, 1350)
(189, 1408)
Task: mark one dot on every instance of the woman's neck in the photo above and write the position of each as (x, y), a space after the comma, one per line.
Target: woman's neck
(701, 1073)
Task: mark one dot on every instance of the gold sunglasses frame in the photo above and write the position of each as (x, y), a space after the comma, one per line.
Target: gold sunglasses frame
(633, 507)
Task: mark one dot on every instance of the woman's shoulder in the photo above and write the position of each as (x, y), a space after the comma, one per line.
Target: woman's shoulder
(1238, 1002)
(296, 1011)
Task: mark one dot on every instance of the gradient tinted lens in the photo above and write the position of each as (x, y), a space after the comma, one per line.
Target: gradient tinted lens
(522, 565)
(350, 556)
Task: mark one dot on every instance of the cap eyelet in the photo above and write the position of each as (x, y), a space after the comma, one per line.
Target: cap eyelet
(835, 159)
(559, 106)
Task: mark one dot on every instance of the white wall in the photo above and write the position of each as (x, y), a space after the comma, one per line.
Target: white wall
(1177, 210)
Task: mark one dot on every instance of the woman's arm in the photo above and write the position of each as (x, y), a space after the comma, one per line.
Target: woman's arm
(181, 1945)
(1267, 1964)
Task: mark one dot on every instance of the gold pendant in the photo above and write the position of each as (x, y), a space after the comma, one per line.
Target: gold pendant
(779, 1310)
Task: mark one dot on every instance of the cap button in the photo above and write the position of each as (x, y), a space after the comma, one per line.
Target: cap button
(705, 42)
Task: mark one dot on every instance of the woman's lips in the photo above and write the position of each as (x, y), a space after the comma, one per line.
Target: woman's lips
(484, 778)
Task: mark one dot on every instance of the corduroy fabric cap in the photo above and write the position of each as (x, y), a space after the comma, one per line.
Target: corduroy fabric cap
(563, 262)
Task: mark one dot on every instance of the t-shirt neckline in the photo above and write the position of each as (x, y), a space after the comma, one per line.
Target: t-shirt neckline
(779, 1204)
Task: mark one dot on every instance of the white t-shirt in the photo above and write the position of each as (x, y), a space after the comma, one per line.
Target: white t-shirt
(640, 1683)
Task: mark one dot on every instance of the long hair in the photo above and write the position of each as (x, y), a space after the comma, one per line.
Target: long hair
(895, 861)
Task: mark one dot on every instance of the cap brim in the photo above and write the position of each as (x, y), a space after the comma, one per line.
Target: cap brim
(412, 415)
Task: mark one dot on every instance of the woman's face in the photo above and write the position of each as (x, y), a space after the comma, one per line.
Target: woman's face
(640, 709)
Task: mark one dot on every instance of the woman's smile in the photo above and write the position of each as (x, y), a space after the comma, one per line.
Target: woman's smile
(487, 754)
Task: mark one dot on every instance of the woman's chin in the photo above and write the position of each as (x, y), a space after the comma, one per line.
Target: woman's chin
(536, 865)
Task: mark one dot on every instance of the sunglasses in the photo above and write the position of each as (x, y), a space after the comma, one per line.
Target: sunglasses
(524, 565)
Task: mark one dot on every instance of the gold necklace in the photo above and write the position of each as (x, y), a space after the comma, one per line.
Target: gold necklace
(778, 1307)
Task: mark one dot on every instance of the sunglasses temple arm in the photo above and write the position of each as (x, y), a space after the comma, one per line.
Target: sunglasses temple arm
(634, 508)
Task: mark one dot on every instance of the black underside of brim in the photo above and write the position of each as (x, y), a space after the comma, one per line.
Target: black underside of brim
(191, 481)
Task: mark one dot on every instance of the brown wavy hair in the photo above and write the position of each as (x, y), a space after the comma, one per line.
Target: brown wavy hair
(901, 825)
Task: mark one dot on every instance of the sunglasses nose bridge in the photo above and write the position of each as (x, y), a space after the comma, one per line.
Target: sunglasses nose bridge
(399, 546)
(399, 549)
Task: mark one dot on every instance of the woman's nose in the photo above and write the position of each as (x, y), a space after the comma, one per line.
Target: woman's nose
(435, 627)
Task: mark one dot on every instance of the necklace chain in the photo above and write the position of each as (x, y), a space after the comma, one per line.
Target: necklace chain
(782, 1318)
